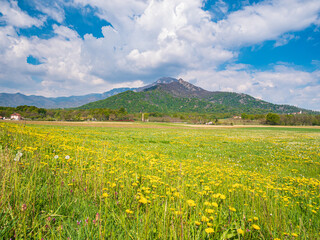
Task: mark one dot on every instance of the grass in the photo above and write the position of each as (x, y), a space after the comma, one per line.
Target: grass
(159, 182)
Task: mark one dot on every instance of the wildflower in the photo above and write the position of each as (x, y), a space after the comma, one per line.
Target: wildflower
(178, 212)
(197, 223)
(232, 209)
(209, 224)
(67, 157)
(240, 231)
(214, 204)
(143, 200)
(56, 157)
(191, 203)
(18, 156)
(222, 197)
(204, 219)
(209, 230)
(23, 207)
(129, 211)
(255, 219)
(294, 235)
(209, 211)
(255, 226)
(105, 195)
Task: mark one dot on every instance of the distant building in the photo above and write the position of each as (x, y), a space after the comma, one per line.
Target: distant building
(15, 116)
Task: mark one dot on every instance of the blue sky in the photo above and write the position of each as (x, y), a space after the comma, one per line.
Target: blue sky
(269, 49)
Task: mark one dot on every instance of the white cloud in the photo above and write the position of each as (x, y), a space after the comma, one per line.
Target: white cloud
(265, 21)
(51, 9)
(283, 40)
(14, 16)
(151, 38)
(282, 84)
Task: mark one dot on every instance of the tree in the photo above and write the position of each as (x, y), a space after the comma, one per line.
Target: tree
(272, 119)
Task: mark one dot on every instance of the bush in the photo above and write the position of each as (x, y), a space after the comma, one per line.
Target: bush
(273, 119)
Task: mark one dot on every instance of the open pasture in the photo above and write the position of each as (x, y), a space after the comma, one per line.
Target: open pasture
(158, 182)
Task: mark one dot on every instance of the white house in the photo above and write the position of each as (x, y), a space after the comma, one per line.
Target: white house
(15, 116)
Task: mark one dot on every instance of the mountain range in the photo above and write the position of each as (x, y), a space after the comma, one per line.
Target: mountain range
(17, 99)
(166, 95)
(169, 95)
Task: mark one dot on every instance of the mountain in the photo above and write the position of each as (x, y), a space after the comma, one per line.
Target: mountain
(16, 99)
(163, 80)
(168, 95)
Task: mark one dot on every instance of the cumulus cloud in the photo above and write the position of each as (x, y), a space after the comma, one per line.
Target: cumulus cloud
(52, 9)
(148, 39)
(267, 20)
(282, 84)
(14, 16)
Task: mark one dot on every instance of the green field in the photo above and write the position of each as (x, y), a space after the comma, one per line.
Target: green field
(158, 181)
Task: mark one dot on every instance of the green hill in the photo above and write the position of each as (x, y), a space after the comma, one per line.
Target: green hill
(169, 95)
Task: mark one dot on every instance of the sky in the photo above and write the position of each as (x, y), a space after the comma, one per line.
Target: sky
(268, 49)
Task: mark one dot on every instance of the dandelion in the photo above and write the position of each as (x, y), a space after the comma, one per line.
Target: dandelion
(204, 219)
(197, 223)
(191, 203)
(255, 226)
(143, 200)
(232, 209)
(214, 204)
(222, 197)
(105, 195)
(210, 211)
(240, 231)
(67, 157)
(294, 235)
(129, 211)
(209, 230)
(56, 157)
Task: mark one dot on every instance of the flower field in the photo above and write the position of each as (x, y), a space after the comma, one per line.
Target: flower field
(76, 182)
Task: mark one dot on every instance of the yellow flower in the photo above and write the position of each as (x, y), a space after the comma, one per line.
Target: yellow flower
(209, 224)
(294, 235)
(129, 211)
(209, 211)
(255, 218)
(197, 223)
(222, 197)
(143, 200)
(232, 209)
(178, 212)
(105, 195)
(204, 219)
(209, 230)
(191, 203)
(255, 226)
(215, 204)
(240, 231)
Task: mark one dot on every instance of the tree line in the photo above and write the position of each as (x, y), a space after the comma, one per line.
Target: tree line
(105, 114)
(34, 113)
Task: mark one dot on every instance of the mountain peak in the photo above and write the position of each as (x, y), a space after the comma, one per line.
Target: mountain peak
(166, 80)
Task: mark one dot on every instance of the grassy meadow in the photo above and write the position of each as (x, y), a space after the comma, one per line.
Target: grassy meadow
(158, 181)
